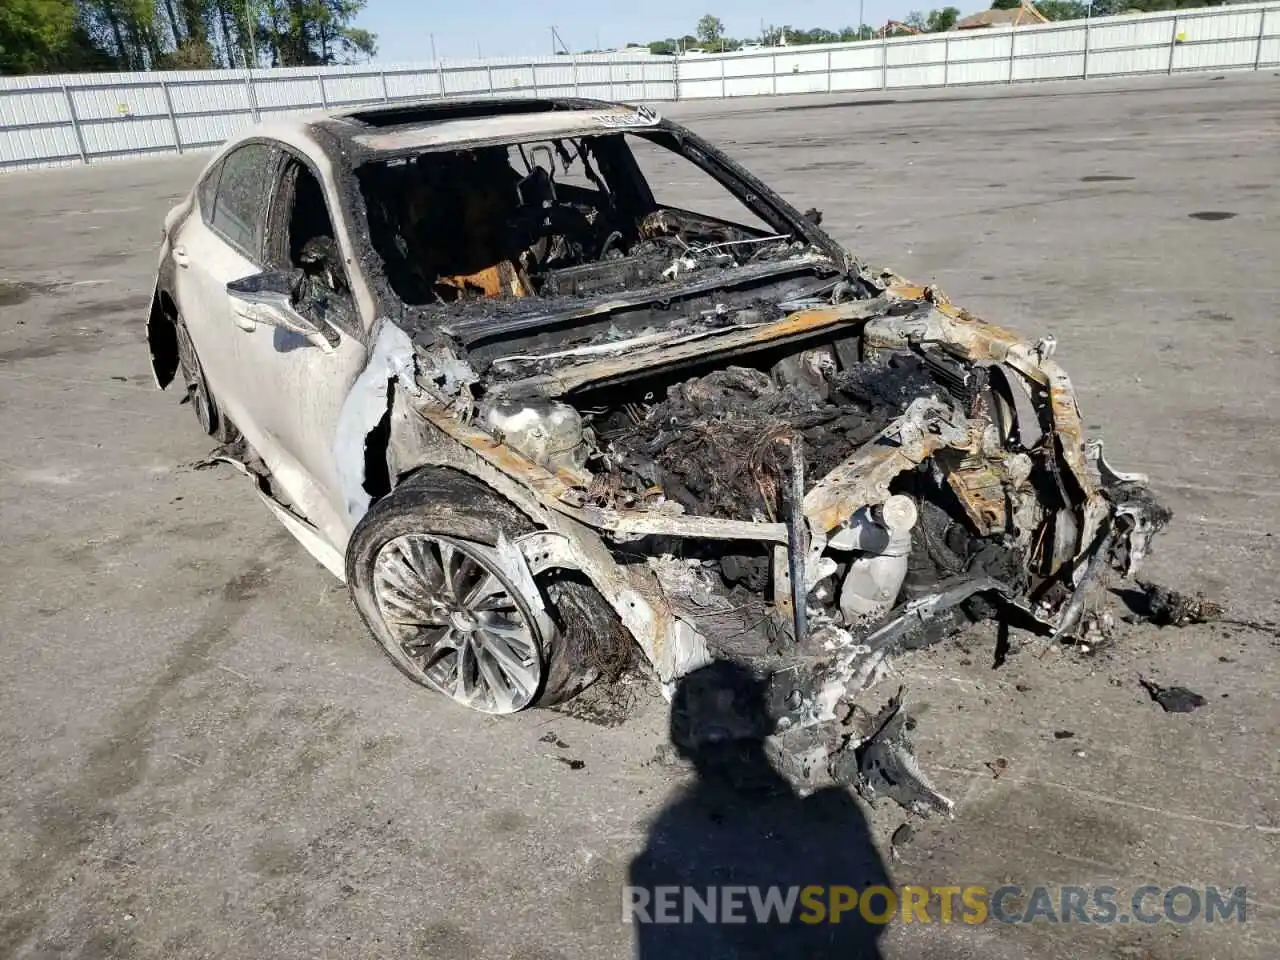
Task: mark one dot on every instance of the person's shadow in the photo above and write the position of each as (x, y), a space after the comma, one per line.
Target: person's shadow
(740, 824)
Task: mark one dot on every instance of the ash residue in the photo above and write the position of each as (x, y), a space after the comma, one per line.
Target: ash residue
(892, 387)
(716, 444)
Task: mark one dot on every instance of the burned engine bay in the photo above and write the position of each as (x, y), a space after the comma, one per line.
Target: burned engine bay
(810, 492)
(756, 452)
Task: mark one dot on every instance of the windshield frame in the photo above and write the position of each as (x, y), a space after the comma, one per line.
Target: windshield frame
(748, 189)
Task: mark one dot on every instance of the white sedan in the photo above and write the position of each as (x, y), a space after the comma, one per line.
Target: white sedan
(539, 415)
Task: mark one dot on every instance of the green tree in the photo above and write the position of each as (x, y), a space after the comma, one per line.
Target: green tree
(1006, 4)
(942, 20)
(190, 55)
(34, 33)
(358, 42)
(862, 32)
(710, 30)
(1063, 9)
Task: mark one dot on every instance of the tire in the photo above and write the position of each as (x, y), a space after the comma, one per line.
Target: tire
(208, 414)
(440, 508)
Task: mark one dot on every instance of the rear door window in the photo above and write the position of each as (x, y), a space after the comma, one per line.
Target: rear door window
(208, 193)
(240, 205)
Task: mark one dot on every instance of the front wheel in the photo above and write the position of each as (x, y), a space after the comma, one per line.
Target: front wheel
(424, 572)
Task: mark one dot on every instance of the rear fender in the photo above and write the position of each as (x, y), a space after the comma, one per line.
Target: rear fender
(162, 337)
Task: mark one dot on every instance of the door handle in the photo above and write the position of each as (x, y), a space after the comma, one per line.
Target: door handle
(241, 318)
(180, 257)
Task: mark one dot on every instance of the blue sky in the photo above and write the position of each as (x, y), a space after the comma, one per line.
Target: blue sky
(516, 27)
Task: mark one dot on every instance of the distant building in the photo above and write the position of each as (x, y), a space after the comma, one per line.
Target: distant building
(1001, 18)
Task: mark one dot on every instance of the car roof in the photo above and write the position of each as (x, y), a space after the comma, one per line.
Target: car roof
(440, 123)
(527, 126)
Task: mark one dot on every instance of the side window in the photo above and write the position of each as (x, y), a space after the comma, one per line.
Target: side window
(678, 182)
(240, 207)
(208, 192)
(302, 237)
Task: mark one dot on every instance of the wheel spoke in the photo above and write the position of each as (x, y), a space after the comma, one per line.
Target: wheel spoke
(506, 630)
(469, 578)
(400, 577)
(515, 663)
(413, 619)
(419, 556)
(498, 603)
(430, 638)
(489, 588)
(448, 556)
(499, 689)
(405, 599)
(456, 622)
(462, 689)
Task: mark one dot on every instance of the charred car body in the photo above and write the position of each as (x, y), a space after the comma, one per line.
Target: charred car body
(532, 415)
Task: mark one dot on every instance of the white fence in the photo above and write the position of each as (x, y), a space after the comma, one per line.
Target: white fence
(51, 120)
(1212, 38)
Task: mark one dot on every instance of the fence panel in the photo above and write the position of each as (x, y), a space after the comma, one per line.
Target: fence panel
(51, 120)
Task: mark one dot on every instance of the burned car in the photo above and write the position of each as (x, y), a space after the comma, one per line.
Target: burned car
(537, 418)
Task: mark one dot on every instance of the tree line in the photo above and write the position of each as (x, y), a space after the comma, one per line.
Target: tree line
(72, 36)
(710, 32)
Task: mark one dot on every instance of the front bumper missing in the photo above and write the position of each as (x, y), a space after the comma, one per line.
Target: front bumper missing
(819, 731)
(816, 730)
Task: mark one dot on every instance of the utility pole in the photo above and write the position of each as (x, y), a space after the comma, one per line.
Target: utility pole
(434, 58)
(861, 21)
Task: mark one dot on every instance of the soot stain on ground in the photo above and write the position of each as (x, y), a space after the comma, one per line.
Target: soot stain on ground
(108, 258)
(1103, 178)
(59, 346)
(12, 293)
(1211, 215)
(1207, 316)
(843, 104)
(132, 304)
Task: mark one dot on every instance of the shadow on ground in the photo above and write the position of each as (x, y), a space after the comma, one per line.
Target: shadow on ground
(741, 825)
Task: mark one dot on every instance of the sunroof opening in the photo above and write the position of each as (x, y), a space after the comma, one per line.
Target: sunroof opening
(431, 112)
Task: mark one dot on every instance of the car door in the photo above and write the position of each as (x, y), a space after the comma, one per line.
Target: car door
(299, 382)
(224, 243)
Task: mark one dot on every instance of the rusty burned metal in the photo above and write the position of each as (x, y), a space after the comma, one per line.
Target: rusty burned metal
(597, 372)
